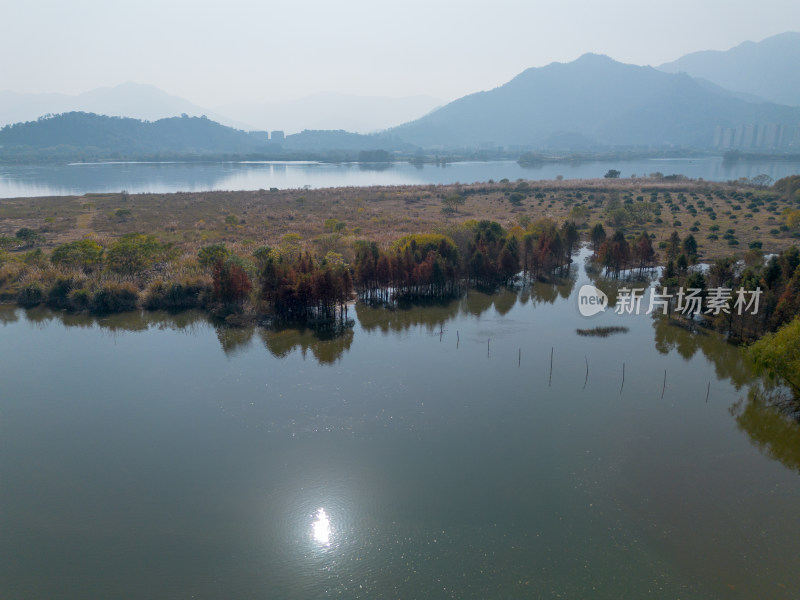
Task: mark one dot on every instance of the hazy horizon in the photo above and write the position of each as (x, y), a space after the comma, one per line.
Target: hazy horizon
(278, 52)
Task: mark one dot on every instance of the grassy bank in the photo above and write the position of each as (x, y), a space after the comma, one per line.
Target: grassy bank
(110, 252)
(332, 219)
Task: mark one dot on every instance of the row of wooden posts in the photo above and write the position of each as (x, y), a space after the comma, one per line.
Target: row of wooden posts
(552, 351)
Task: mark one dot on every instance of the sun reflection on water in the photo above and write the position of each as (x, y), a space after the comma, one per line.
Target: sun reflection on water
(322, 527)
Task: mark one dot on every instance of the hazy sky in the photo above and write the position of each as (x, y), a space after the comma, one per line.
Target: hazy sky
(218, 52)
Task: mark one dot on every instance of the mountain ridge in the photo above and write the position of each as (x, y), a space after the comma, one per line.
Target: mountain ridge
(602, 101)
(593, 103)
(767, 68)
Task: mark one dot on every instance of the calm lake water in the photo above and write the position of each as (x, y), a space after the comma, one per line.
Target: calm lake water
(156, 456)
(76, 179)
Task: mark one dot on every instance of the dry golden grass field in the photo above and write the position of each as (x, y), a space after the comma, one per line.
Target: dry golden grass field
(724, 218)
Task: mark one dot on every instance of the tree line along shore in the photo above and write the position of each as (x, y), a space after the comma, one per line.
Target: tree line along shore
(302, 255)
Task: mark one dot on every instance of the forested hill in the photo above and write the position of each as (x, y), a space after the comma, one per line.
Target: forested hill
(87, 136)
(77, 134)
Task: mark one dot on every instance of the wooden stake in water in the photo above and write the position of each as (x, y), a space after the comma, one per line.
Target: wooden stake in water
(519, 359)
(623, 378)
(708, 391)
(458, 339)
(550, 381)
(487, 346)
(585, 381)
(665, 384)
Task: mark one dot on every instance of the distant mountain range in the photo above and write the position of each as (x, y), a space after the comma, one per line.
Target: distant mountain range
(703, 101)
(767, 69)
(596, 102)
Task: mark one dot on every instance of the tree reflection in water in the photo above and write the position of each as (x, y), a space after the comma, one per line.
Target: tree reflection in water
(432, 315)
(8, 314)
(771, 419)
(770, 416)
(326, 348)
(729, 361)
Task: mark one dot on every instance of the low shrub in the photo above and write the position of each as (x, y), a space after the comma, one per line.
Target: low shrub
(115, 297)
(30, 294)
(80, 299)
(58, 294)
(177, 295)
